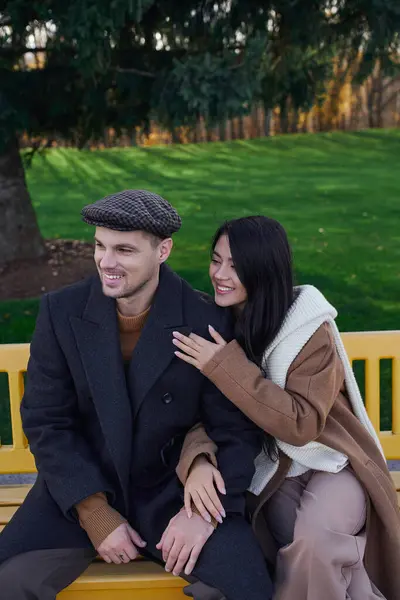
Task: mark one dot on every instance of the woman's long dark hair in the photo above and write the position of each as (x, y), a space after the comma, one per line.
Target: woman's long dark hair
(263, 261)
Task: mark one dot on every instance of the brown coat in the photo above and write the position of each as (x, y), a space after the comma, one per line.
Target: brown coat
(313, 406)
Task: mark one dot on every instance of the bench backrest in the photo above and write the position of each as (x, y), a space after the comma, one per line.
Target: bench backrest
(370, 347)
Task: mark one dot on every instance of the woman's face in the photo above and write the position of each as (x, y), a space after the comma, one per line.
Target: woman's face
(228, 289)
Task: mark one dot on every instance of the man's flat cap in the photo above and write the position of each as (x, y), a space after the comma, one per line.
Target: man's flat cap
(132, 210)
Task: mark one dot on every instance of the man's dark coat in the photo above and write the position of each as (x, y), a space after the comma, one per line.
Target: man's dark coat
(94, 426)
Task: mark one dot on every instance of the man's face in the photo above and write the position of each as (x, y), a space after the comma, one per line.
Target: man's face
(127, 261)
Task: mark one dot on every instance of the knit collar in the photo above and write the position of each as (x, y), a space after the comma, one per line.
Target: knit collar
(309, 304)
(131, 324)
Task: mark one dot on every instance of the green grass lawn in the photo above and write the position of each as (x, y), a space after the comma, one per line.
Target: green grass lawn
(338, 195)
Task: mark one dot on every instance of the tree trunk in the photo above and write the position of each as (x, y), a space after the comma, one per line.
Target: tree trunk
(241, 133)
(267, 120)
(20, 238)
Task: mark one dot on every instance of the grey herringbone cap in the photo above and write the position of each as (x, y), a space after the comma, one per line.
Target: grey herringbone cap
(131, 210)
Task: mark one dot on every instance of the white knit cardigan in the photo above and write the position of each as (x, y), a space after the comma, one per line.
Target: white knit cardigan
(308, 312)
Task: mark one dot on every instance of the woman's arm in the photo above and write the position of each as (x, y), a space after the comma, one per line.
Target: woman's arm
(295, 414)
(197, 443)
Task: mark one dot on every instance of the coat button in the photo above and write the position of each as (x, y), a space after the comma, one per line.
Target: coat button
(167, 398)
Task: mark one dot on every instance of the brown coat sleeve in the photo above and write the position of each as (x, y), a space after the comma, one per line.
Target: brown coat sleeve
(196, 442)
(98, 518)
(296, 414)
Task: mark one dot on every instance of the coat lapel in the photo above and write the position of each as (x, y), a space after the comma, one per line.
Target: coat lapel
(98, 343)
(155, 350)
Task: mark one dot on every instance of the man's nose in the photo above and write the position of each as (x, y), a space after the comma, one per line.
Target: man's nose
(108, 261)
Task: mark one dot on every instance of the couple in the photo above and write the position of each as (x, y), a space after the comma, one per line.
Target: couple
(136, 381)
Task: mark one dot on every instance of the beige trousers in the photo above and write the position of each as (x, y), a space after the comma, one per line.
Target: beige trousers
(318, 520)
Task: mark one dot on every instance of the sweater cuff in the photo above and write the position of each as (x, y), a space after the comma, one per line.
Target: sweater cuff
(101, 522)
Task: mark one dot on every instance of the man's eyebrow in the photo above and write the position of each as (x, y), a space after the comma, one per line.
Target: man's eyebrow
(130, 246)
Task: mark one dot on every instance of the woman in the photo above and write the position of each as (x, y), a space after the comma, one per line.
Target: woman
(322, 501)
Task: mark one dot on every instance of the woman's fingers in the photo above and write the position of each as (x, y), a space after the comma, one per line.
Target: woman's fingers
(190, 342)
(198, 502)
(188, 503)
(212, 503)
(219, 482)
(186, 358)
(185, 348)
(216, 336)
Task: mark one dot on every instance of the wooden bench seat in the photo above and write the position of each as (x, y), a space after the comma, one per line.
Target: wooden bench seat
(143, 580)
(138, 580)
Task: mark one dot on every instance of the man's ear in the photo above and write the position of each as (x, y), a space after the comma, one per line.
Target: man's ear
(164, 249)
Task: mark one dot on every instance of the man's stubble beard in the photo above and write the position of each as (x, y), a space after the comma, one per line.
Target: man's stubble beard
(132, 292)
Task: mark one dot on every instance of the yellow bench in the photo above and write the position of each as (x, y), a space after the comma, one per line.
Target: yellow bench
(142, 580)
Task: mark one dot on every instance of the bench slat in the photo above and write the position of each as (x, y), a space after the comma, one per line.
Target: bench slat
(132, 575)
(13, 495)
(396, 479)
(6, 512)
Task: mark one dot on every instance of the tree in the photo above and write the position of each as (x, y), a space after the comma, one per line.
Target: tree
(74, 68)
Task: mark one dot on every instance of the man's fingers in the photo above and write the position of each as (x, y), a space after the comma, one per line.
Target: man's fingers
(105, 557)
(198, 502)
(114, 557)
(194, 555)
(219, 482)
(167, 545)
(173, 555)
(216, 336)
(182, 560)
(135, 537)
(188, 503)
(131, 551)
(160, 543)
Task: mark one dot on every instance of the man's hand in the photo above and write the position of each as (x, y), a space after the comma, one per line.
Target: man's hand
(120, 546)
(182, 542)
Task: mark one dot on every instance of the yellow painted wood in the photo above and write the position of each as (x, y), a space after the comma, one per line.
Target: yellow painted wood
(13, 495)
(137, 580)
(16, 460)
(6, 512)
(396, 395)
(396, 479)
(368, 346)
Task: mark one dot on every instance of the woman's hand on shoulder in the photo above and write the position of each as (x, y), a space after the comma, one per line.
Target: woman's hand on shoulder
(201, 490)
(195, 350)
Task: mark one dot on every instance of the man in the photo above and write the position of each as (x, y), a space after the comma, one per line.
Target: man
(106, 408)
